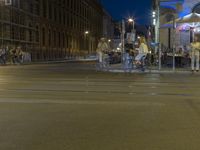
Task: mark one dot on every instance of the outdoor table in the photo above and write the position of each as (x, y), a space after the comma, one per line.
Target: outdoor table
(179, 59)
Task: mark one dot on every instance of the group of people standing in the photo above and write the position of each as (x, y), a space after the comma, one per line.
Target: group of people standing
(13, 55)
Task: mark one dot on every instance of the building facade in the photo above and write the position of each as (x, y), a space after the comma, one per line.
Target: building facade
(52, 29)
(18, 24)
(108, 25)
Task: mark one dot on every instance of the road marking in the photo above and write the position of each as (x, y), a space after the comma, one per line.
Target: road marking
(79, 102)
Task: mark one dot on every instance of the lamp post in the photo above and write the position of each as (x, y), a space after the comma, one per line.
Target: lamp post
(86, 33)
(131, 20)
(133, 35)
(122, 38)
(123, 32)
(174, 43)
(156, 23)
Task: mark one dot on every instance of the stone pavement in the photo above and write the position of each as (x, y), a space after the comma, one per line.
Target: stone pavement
(70, 106)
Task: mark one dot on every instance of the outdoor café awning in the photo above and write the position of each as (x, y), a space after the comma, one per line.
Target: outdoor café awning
(192, 19)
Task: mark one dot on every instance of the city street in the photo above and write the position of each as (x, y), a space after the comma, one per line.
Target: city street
(73, 107)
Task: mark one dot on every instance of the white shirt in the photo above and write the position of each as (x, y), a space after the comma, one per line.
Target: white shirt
(102, 46)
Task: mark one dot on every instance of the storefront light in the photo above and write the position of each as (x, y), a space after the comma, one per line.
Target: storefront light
(153, 14)
(154, 21)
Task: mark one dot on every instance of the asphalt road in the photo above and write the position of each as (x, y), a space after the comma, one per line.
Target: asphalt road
(72, 107)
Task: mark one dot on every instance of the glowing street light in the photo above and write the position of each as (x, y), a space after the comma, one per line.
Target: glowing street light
(86, 40)
(130, 20)
(154, 18)
(153, 14)
(87, 32)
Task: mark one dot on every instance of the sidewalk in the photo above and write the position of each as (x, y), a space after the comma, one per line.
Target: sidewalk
(65, 61)
(54, 61)
(117, 68)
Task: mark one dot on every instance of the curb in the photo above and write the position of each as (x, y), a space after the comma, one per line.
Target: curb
(150, 72)
(51, 62)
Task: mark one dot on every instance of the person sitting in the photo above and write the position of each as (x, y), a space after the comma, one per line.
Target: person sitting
(142, 52)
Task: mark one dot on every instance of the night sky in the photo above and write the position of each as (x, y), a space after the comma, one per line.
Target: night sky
(140, 9)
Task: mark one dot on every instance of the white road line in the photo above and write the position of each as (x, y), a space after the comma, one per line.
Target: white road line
(79, 102)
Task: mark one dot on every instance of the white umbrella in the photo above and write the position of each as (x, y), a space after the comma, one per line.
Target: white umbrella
(191, 18)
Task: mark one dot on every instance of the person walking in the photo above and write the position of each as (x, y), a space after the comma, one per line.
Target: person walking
(195, 49)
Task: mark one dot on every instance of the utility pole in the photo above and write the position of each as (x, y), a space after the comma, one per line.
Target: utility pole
(122, 38)
(157, 33)
(174, 43)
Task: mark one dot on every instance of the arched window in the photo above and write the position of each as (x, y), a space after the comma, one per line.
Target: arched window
(196, 9)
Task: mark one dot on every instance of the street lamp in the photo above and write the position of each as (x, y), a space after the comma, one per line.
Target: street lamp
(156, 23)
(86, 44)
(87, 32)
(123, 32)
(154, 17)
(131, 20)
